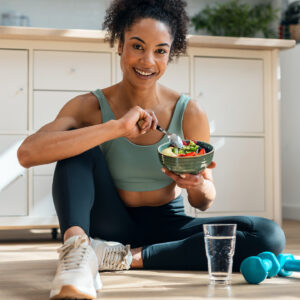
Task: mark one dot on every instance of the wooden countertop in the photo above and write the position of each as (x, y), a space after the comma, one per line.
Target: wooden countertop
(96, 36)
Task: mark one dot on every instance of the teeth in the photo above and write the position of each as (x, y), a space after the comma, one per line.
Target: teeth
(142, 73)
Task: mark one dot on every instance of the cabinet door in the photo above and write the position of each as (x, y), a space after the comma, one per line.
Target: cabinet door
(176, 77)
(75, 71)
(42, 197)
(239, 176)
(13, 178)
(47, 104)
(231, 92)
(13, 92)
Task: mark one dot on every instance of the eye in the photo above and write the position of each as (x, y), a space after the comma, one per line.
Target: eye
(161, 51)
(137, 47)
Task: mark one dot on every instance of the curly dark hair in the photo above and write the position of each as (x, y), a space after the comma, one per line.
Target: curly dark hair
(123, 13)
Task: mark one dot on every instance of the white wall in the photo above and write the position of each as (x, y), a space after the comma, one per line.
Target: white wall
(290, 132)
(84, 14)
(65, 14)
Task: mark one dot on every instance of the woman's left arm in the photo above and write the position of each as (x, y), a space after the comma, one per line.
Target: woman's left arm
(200, 188)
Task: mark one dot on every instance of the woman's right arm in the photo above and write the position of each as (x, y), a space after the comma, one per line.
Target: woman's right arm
(55, 141)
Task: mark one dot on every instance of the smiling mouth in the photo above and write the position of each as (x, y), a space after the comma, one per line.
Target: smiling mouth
(143, 74)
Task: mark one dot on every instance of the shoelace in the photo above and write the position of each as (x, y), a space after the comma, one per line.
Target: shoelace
(72, 256)
(116, 258)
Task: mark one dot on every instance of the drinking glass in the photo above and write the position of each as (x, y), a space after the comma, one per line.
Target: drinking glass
(219, 246)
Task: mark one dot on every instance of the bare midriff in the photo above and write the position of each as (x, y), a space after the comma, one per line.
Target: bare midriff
(150, 198)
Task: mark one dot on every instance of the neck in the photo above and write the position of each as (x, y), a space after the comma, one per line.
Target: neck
(145, 98)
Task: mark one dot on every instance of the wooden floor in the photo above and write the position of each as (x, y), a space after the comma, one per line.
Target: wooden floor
(27, 268)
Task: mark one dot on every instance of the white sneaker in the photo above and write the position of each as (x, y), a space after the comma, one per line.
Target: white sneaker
(111, 255)
(77, 274)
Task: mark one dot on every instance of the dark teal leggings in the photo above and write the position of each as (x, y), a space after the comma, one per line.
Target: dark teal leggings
(84, 195)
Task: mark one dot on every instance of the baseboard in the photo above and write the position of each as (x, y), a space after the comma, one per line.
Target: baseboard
(291, 212)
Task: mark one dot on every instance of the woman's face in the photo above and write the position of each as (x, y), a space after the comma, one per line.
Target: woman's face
(145, 52)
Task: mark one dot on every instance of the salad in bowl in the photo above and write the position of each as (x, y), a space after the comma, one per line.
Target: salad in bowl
(192, 158)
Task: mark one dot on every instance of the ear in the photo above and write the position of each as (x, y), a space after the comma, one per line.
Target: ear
(120, 48)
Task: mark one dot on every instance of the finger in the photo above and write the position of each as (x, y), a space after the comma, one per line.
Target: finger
(169, 173)
(154, 120)
(212, 165)
(141, 123)
(186, 186)
(148, 121)
(191, 178)
(184, 180)
(172, 175)
(145, 121)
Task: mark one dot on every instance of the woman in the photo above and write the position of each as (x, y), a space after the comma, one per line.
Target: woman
(118, 191)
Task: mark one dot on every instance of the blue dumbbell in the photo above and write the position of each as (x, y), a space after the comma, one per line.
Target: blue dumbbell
(288, 264)
(256, 269)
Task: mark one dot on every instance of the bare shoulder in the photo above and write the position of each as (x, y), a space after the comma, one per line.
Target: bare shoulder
(170, 96)
(195, 122)
(194, 109)
(89, 109)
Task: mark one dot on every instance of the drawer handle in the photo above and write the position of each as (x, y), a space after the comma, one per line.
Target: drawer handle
(20, 90)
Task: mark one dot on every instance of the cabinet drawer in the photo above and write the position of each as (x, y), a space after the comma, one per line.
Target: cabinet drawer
(239, 176)
(13, 92)
(231, 92)
(47, 104)
(13, 178)
(177, 76)
(76, 71)
(42, 197)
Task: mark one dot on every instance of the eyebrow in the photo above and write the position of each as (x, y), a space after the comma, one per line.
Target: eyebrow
(139, 39)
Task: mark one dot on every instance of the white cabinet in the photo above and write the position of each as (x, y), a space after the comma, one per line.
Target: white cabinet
(239, 176)
(231, 91)
(68, 70)
(13, 92)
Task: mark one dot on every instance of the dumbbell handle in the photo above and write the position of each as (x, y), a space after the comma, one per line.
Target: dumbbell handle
(267, 263)
(292, 265)
(288, 264)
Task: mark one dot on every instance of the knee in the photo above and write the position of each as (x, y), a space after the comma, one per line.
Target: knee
(76, 169)
(82, 160)
(77, 158)
(270, 236)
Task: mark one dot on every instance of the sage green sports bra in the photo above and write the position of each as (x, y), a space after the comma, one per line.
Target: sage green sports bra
(137, 167)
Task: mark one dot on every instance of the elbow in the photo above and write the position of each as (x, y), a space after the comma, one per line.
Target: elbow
(23, 157)
(206, 205)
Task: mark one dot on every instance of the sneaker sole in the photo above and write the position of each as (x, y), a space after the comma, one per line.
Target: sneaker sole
(69, 291)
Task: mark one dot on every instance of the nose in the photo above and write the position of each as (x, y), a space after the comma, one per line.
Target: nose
(148, 58)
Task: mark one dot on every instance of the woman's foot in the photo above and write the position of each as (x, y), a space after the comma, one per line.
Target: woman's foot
(111, 255)
(77, 274)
